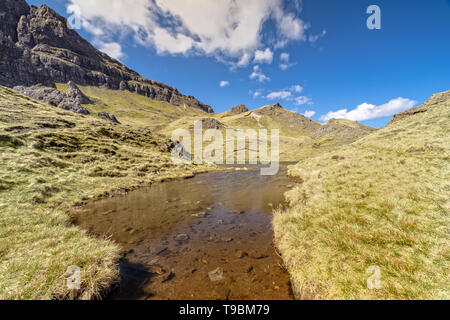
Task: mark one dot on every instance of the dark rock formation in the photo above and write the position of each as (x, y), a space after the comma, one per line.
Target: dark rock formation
(75, 93)
(48, 95)
(71, 104)
(277, 105)
(109, 117)
(37, 47)
(239, 109)
(54, 97)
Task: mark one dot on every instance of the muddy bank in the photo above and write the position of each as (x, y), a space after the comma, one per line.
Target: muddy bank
(209, 237)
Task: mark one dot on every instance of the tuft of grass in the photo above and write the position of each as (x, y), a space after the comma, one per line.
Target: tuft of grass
(382, 201)
(51, 160)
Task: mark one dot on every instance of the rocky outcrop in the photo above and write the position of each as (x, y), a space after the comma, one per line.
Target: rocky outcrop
(239, 109)
(274, 110)
(75, 93)
(37, 47)
(54, 97)
(210, 123)
(109, 117)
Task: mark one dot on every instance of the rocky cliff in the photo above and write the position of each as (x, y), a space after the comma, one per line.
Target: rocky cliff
(37, 47)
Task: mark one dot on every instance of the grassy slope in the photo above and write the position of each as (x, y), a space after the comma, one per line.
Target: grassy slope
(134, 109)
(384, 201)
(295, 130)
(51, 159)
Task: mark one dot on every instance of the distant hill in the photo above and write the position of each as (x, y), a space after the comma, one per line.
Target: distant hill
(37, 47)
(300, 137)
(381, 201)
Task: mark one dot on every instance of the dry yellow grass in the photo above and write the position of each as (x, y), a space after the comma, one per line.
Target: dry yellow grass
(382, 201)
(50, 160)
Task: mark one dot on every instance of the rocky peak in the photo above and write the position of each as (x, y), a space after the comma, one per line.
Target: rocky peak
(37, 47)
(239, 109)
(277, 105)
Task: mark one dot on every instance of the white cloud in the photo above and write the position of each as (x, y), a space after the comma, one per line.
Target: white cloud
(296, 88)
(279, 95)
(230, 30)
(285, 61)
(224, 83)
(313, 38)
(366, 111)
(303, 100)
(113, 49)
(244, 60)
(256, 93)
(309, 113)
(290, 94)
(258, 75)
(290, 26)
(265, 56)
(284, 57)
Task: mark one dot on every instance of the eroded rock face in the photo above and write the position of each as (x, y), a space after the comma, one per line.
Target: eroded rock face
(53, 97)
(37, 47)
(48, 95)
(239, 109)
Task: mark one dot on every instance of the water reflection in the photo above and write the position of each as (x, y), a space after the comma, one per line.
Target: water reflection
(176, 234)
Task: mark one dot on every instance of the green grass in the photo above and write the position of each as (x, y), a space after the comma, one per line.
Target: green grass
(133, 109)
(50, 161)
(383, 201)
(299, 137)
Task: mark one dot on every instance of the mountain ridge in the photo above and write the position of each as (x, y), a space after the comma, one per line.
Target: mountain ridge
(37, 47)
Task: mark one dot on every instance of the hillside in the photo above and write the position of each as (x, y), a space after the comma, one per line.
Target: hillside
(382, 201)
(300, 137)
(51, 160)
(37, 47)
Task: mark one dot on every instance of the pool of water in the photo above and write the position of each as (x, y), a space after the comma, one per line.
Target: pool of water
(209, 237)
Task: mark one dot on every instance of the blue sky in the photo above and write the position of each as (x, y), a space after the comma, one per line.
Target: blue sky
(310, 55)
